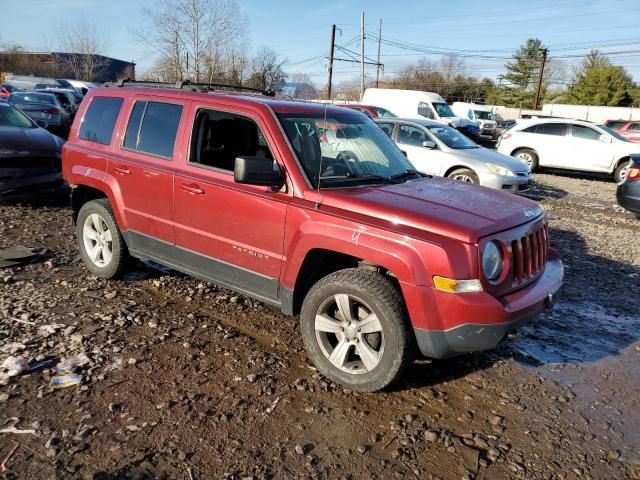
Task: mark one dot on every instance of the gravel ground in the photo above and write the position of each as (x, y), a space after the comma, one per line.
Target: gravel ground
(185, 380)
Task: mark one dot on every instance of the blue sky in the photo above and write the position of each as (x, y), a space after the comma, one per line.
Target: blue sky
(484, 33)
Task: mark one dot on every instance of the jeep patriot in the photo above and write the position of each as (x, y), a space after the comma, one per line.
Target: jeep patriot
(249, 192)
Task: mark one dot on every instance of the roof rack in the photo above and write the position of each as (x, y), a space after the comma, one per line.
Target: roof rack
(188, 85)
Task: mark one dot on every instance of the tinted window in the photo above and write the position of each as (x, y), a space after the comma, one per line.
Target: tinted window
(220, 137)
(557, 129)
(411, 135)
(32, 98)
(153, 127)
(387, 128)
(580, 131)
(615, 125)
(634, 126)
(383, 112)
(99, 120)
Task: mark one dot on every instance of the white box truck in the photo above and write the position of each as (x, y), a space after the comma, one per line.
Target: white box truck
(481, 114)
(417, 104)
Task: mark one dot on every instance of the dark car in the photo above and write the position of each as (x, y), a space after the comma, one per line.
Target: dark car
(29, 155)
(66, 99)
(628, 193)
(45, 109)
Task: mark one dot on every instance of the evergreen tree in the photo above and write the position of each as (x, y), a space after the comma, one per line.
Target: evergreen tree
(522, 76)
(598, 82)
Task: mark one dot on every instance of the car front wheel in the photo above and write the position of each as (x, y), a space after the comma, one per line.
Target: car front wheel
(527, 156)
(465, 175)
(621, 171)
(354, 329)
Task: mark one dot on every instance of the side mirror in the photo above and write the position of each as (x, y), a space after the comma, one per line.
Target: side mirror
(258, 171)
(429, 144)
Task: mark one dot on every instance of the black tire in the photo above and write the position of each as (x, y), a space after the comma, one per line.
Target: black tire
(464, 175)
(533, 163)
(621, 170)
(120, 258)
(383, 299)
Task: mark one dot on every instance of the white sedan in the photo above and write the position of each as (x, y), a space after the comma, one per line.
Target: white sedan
(569, 144)
(438, 149)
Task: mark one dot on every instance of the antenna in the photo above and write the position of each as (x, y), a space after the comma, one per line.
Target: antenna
(320, 162)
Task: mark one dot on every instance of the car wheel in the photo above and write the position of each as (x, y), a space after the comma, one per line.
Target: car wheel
(101, 244)
(527, 156)
(355, 331)
(464, 175)
(621, 171)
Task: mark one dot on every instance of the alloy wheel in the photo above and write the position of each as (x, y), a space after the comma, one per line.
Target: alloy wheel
(98, 240)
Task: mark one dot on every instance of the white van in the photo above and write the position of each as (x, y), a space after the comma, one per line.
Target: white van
(417, 105)
(481, 114)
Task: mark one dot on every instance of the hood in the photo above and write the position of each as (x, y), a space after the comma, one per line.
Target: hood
(15, 141)
(484, 155)
(436, 205)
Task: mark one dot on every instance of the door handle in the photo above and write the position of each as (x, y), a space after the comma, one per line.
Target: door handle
(122, 170)
(193, 189)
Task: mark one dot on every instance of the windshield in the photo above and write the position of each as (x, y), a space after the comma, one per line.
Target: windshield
(613, 133)
(12, 117)
(346, 149)
(482, 115)
(451, 137)
(443, 109)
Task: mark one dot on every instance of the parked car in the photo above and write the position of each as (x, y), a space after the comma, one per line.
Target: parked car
(628, 129)
(43, 108)
(81, 86)
(438, 149)
(374, 256)
(4, 93)
(481, 114)
(369, 110)
(66, 99)
(29, 155)
(568, 144)
(628, 192)
(417, 105)
(502, 126)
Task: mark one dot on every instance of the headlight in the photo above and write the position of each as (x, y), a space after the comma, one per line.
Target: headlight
(492, 261)
(498, 170)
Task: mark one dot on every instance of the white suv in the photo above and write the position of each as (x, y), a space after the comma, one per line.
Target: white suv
(569, 144)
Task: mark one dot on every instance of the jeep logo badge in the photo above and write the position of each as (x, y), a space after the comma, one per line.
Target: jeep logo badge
(532, 212)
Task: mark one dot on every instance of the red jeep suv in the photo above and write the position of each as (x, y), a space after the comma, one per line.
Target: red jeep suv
(241, 190)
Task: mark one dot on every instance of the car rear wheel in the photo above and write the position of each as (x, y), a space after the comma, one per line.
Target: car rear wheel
(621, 171)
(465, 175)
(528, 156)
(101, 244)
(354, 329)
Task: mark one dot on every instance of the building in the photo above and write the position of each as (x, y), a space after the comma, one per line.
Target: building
(300, 90)
(93, 68)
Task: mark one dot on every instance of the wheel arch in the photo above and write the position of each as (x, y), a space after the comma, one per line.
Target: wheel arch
(81, 194)
(517, 149)
(458, 167)
(617, 163)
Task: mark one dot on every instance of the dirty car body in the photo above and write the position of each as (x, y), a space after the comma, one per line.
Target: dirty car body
(247, 191)
(29, 155)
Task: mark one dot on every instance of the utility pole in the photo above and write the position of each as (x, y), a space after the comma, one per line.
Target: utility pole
(544, 60)
(333, 42)
(379, 42)
(361, 55)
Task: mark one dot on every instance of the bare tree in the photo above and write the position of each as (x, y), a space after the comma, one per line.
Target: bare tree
(193, 37)
(267, 70)
(83, 46)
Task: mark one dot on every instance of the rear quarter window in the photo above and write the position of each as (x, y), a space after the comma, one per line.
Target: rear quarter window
(100, 119)
(153, 127)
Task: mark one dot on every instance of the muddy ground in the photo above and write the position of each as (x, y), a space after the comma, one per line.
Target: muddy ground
(189, 381)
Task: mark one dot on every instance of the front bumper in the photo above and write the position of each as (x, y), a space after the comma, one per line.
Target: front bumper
(628, 195)
(511, 183)
(513, 310)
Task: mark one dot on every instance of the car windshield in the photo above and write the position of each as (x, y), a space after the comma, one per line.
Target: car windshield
(443, 109)
(12, 117)
(482, 115)
(30, 97)
(343, 149)
(451, 137)
(613, 133)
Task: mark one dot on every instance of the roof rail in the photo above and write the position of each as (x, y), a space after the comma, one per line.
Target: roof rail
(187, 85)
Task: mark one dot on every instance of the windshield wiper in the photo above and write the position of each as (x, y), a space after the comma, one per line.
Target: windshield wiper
(406, 174)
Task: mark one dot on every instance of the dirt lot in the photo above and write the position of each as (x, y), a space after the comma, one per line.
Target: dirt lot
(190, 381)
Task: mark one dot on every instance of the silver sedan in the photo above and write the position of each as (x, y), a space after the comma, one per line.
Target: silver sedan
(437, 149)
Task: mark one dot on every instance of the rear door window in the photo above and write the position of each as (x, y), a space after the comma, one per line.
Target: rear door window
(387, 128)
(99, 120)
(153, 127)
(411, 135)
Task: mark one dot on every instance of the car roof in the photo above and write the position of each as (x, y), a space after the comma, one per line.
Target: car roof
(528, 122)
(277, 104)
